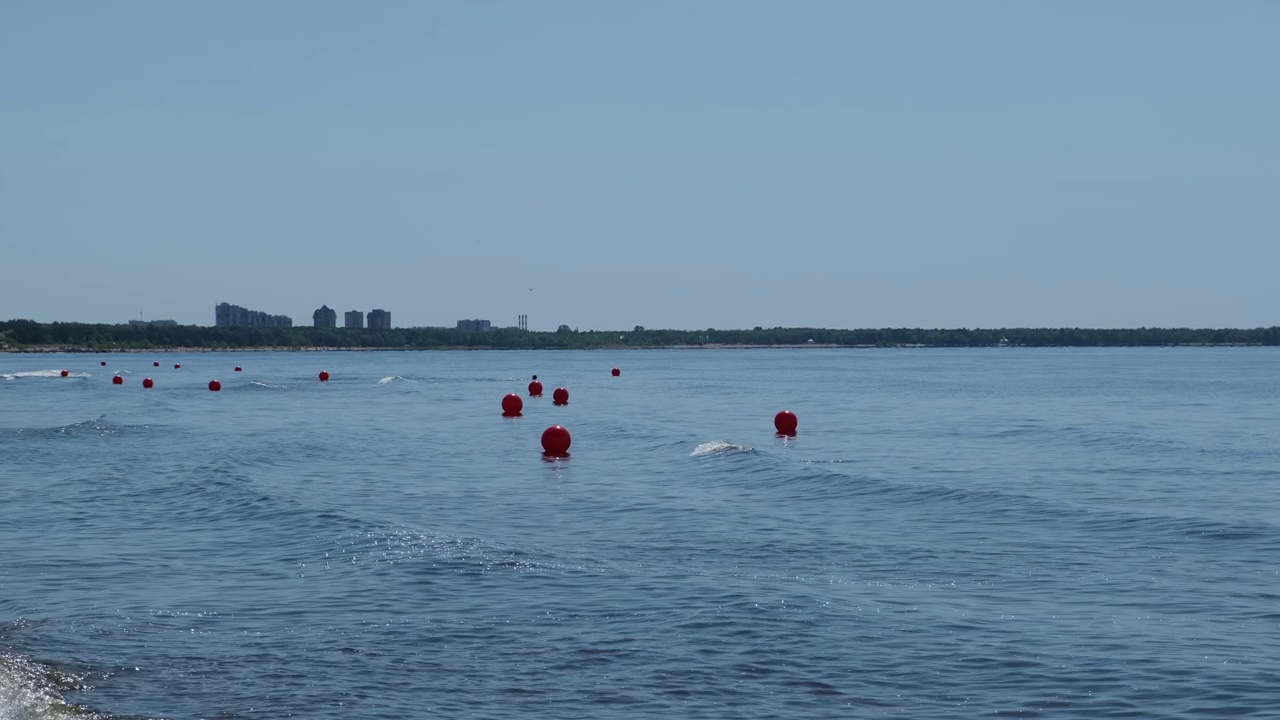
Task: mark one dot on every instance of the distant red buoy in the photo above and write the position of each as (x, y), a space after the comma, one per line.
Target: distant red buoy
(104, 363)
(616, 372)
(155, 364)
(560, 397)
(324, 376)
(117, 380)
(786, 423)
(177, 366)
(214, 386)
(65, 373)
(535, 389)
(556, 441)
(512, 405)
(237, 368)
(147, 382)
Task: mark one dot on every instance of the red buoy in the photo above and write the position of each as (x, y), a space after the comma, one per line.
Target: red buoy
(147, 382)
(616, 372)
(512, 405)
(324, 376)
(65, 373)
(556, 441)
(177, 366)
(786, 423)
(535, 389)
(104, 363)
(155, 364)
(214, 386)
(560, 397)
(237, 368)
(117, 380)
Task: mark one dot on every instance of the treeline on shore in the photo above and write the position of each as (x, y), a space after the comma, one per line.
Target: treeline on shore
(28, 334)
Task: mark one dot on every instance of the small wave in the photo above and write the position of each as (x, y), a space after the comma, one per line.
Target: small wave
(255, 383)
(33, 691)
(719, 446)
(97, 426)
(393, 378)
(41, 374)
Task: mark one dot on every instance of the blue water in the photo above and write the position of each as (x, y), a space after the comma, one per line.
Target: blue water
(953, 533)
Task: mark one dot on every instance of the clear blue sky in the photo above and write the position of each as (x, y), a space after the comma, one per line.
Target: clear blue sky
(667, 164)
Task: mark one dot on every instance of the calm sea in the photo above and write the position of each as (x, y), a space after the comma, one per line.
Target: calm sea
(953, 533)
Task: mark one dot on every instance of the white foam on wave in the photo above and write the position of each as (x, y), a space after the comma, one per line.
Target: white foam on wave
(41, 374)
(31, 691)
(389, 379)
(718, 446)
(255, 383)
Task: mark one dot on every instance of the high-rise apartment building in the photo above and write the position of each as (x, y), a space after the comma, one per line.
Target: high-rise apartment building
(379, 320)
(228, 315)
(353, 320)
(325, 317)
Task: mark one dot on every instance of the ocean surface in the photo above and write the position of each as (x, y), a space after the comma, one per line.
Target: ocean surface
(952, 533)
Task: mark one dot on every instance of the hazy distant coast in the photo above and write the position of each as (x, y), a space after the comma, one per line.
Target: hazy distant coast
(30, 336)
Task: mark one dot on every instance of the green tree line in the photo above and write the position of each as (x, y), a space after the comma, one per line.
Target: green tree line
(19, 334)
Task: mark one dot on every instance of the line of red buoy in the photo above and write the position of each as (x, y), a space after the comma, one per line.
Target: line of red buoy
(324, 376)
(117, 380)
(560, 397)
(147, 382)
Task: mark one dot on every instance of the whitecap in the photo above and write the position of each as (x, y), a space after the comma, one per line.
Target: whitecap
(719, 446)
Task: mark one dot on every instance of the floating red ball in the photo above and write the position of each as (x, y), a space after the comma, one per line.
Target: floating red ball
(117, 380)
(535, 389)
(155, 364)
(786, 422)
(616, 372)
(214, 386)
(237, 368)
(177, 366)
(512, 405)
(147, 382)
(104, 363)
(560, 397)
(556, 441)
(324, 376)
(65, 373)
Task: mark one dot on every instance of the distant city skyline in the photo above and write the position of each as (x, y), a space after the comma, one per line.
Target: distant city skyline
(726, 163)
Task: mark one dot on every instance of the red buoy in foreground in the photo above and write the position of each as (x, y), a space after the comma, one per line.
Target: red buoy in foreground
(512, 405)
(556, 441)
(65, 373)
(237, 368)
(147, 382)
(117, 380)
(560, 397)
(324, 376)
(786, 423)
(535, 389)
(155, 364)
(616, 372)
(214, 386)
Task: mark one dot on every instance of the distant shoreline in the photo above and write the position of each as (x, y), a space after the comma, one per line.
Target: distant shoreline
(31, 336)
(54, 349)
